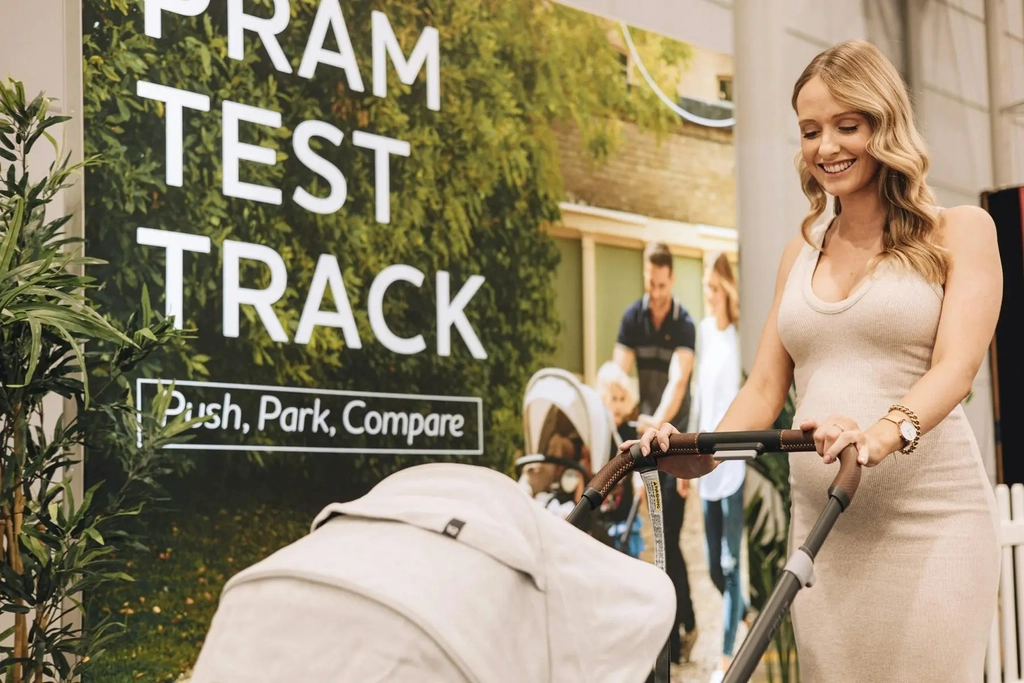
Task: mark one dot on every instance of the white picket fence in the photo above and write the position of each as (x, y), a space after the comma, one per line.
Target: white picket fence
(1006, 639)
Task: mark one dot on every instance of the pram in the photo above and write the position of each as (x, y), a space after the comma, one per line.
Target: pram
(569, 435)
(442, 572)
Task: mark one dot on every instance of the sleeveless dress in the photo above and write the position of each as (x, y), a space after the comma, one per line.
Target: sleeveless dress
(906, 583)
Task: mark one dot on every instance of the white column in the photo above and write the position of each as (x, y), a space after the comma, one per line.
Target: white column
(764, 169)
(998, 82)
(72, 105)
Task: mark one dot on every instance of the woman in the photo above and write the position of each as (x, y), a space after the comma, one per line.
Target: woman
(882, 315)
(721, 491)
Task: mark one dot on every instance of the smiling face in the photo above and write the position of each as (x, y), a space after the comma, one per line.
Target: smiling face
(833, 142)
(658, 283)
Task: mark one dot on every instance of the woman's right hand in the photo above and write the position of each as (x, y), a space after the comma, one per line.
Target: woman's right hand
(680, 466)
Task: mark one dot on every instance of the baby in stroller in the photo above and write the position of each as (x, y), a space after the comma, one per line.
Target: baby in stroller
(623, 503)
(569, 435)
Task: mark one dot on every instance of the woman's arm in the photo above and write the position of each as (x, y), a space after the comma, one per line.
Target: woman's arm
(970, 309)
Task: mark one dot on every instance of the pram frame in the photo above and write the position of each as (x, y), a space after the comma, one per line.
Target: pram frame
(799, 569)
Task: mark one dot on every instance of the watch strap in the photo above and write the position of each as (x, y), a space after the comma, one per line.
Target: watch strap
(899, 430)
(912, 417)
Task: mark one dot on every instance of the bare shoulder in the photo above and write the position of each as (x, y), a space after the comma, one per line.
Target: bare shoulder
(966, 227)
(793, 247)
(789, 256)
(790, 253)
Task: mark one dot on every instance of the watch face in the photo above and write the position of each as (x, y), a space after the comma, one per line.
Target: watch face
(908, 431)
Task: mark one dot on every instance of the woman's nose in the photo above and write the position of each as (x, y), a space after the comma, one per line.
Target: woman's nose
(829, 145)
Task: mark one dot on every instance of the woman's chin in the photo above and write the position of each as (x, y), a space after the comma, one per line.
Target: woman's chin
(841, 187)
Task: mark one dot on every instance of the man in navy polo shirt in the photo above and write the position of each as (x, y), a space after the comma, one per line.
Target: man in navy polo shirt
(658, 334)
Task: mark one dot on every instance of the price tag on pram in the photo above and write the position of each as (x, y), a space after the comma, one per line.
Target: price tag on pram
(655, 509)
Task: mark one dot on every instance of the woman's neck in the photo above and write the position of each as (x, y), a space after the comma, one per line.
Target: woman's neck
(722, 320)
(863, 216)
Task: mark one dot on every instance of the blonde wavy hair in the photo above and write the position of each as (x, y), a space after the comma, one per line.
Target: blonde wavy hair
(857, 74)
(724, 276)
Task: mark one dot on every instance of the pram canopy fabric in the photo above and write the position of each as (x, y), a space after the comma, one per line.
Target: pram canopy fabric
(442, 572)
(581, 404)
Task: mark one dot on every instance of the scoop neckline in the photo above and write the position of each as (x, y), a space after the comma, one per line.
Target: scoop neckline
(814, 256)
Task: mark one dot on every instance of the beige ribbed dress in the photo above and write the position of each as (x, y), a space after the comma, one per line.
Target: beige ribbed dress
(906, 583)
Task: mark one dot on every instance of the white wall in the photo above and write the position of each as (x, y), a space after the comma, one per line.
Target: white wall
(1012, 51)
(959, 96)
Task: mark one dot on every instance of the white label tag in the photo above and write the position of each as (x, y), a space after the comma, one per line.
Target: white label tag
(654, 507)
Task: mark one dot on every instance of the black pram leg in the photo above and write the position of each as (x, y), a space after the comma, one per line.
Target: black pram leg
(675, 563)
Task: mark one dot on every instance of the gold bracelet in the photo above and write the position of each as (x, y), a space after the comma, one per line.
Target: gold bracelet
(909, 448)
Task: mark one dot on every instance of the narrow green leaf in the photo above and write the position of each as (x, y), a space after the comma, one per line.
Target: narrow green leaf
(180, 425)
(147, 311)
(36, 548)
(36, 349)
(15, 608)
(10, 241)
(84, 321)
(77, 350)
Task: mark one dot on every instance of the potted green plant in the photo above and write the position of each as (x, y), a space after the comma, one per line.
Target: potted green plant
(55, 343)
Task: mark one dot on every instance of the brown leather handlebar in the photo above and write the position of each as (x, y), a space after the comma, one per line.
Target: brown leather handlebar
(610, 475)
(707, 443)
(848, 478)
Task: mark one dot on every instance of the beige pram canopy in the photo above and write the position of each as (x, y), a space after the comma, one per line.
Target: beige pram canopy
(442, 572)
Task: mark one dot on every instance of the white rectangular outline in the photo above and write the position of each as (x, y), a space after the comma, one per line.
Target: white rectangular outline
(304, 390)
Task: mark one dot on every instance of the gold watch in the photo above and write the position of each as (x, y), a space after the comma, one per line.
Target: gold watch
(908, 432)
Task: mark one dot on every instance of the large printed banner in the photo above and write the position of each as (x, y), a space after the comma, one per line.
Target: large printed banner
(344, 200)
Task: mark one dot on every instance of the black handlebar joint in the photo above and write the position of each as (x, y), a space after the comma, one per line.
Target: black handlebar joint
(642, 463)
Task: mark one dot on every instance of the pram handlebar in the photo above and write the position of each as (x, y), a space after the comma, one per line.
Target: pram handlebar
(751, 444)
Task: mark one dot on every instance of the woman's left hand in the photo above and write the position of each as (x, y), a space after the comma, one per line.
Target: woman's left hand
(837, 432)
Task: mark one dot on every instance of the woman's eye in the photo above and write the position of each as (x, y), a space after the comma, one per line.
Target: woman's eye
(848, 129)
(810, 134)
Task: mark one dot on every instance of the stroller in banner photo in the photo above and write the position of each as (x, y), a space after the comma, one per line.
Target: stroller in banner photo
(568, 436)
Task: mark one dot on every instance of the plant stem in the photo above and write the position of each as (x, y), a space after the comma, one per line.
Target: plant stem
(42, 622)
(14, 523)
